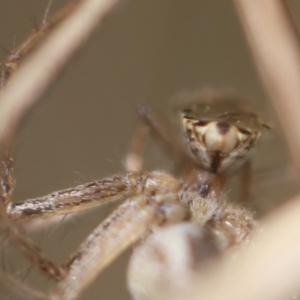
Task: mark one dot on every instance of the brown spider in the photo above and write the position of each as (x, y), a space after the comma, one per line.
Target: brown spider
(219, 133)
(155, 199)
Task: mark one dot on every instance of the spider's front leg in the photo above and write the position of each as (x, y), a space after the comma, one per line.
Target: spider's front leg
(150, 125)
(74, 199)
(61, 202)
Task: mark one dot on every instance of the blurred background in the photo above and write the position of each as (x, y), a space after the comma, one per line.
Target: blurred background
(145, 52)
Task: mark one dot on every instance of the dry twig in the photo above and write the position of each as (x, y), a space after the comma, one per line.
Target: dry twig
(274, 46)
(23, 92)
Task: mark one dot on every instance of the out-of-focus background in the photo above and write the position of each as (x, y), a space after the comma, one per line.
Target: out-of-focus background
(145, 52)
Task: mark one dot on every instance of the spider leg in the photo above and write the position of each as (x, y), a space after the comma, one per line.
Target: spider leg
(154, 203)
(34, 254)
(61, 202)
(171, 145)
(75, 199)
(7, 181)
(134, 158)
(123, 227)
(135, 218)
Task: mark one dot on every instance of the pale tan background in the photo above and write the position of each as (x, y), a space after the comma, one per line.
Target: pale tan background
(146, 52)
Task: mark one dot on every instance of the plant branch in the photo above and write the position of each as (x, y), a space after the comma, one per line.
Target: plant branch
(274, 46)
(35, 75)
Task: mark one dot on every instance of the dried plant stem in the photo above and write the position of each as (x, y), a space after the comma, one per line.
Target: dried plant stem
(274, 46)
(23, 91)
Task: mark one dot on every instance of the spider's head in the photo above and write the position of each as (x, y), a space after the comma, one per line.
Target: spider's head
(220, 133)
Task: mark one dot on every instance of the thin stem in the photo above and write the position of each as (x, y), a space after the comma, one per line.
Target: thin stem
(274, 46)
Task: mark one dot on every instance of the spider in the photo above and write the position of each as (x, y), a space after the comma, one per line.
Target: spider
(155, 200)
(218, 134)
